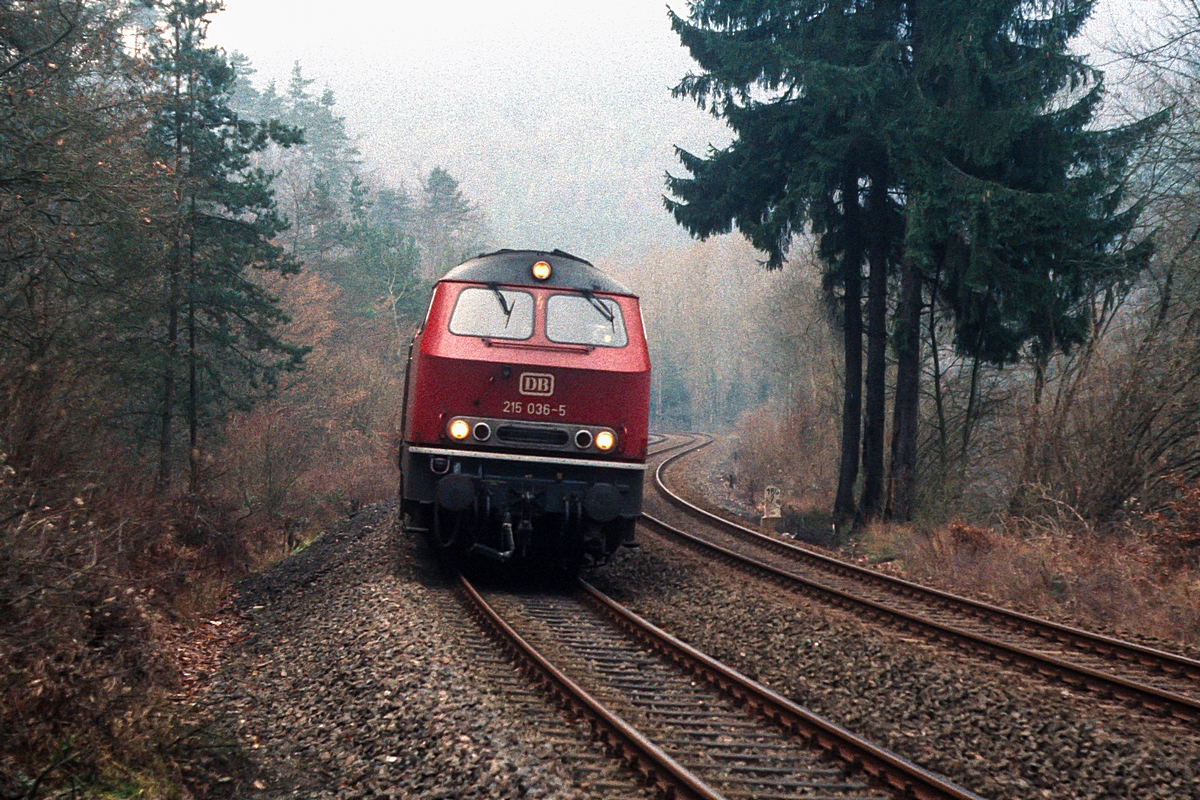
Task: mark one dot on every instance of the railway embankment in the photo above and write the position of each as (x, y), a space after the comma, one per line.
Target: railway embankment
(359, 675)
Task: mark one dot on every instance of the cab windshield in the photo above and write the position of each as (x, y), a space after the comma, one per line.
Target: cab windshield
(585, 319)
(493, 313)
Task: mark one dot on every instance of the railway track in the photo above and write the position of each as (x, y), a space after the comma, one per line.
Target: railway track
(690, 725)
(1164, 683)
(590, 766)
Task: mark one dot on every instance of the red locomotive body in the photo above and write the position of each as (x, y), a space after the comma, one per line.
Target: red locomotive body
(526, 412)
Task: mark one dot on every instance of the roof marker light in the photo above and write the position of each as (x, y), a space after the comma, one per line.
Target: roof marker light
(541, 270)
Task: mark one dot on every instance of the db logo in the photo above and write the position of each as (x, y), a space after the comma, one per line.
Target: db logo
(536, 384)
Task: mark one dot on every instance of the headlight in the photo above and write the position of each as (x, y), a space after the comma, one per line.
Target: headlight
(605, 441)
(459, 429)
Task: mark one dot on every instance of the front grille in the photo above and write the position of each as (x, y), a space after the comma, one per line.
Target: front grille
(524, 434)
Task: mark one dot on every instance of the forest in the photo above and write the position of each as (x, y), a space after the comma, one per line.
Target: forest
(205, 301)
(206, 292)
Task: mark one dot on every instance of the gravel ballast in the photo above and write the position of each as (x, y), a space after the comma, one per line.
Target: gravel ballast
(1000, 732)
(362, 676)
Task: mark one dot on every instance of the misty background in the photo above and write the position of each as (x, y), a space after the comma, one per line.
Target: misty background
(557, 122)
(557, 118)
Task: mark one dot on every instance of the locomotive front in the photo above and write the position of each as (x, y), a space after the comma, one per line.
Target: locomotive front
(526, 413)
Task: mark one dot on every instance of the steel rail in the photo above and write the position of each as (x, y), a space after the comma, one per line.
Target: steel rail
(1096, 642)
(672, 445)
(672, 779)
(1180, 706)
(889, 771)
(898, 773)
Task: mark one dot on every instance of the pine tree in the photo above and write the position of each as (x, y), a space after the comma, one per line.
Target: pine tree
(219, 322)
(383, 270)
(450, 229)
(319, 174)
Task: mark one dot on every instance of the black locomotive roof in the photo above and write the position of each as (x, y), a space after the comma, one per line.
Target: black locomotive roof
(513, 267)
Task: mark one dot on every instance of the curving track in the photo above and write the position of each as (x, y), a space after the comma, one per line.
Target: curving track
(1161, 682)
(684, 721)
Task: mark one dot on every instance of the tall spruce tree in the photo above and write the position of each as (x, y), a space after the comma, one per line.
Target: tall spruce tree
(1017, 215)
(960, 128)
(316, 177)
(219, 323)
(451, 228)
(801, 84)
(383, 272)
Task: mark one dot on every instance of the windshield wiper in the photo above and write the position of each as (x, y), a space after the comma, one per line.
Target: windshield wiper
(503, 303)
(604, 310)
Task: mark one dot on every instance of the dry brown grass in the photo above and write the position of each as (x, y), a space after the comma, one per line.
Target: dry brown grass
(1124, 581)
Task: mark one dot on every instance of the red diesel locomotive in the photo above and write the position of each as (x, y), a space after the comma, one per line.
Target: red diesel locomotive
(526, 409)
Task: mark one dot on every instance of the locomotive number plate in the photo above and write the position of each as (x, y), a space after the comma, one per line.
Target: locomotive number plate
(534, 409)
(536, 384)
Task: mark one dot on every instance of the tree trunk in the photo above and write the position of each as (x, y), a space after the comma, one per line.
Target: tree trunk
(1031, 466)
(168, 404)
(902, 484)
(193, 388)
(168, 401)
(192, 409)
(844, 506)
(969, 416)
(871, 503)
(937, 375)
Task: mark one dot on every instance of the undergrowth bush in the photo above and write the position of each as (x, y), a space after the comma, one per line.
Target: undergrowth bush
(98, 584)
(786, 449)
(327, 445)
(102, 578)
(1177, 523)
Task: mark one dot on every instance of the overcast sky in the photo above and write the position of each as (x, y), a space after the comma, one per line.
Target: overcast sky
(555, 116)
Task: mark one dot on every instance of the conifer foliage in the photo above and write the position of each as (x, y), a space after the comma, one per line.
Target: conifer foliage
(949, 142)
(219, 346)
(74, 213)
(451, 230)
